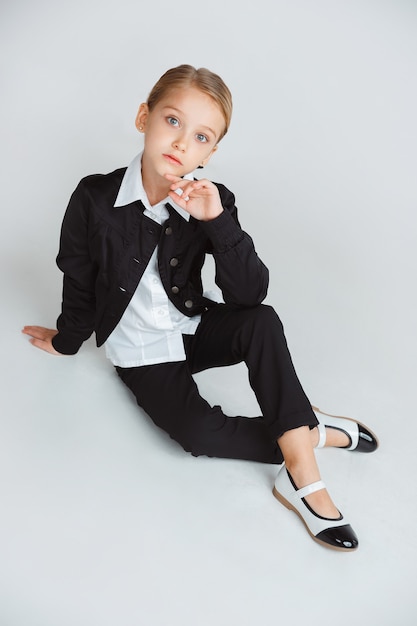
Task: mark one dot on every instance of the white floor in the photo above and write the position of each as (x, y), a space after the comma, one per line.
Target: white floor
(104, 520)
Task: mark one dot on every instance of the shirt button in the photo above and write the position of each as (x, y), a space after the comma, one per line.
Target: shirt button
(173, 262)
(175, 289)
(189, 304)
(168, 230)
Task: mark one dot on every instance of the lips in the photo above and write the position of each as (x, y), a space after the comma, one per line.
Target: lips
(171, 159)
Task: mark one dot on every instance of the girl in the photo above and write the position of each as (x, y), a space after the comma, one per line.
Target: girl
(132, 248)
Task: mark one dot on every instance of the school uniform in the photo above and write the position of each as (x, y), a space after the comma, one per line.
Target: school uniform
(132, 275)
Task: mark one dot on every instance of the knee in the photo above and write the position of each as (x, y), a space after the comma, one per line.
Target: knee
(268, 315)
(264, 319)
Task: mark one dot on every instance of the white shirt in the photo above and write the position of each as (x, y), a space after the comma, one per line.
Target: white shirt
(151, 328)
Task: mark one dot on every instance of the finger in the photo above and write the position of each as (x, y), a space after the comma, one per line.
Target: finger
(33, 331)
(37, 331)
(182, 202)
(39, 343)
(46, 346)
(182, 190)
(179, 185)
(176, 181)
(200, 188)
(189, 188)
(29, 329)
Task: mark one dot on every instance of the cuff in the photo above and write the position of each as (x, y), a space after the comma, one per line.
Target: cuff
(223, 232)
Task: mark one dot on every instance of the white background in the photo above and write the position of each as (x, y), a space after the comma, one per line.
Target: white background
(103, 519)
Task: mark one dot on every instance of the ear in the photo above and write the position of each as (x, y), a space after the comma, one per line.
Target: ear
(141, 117)
(207, 159)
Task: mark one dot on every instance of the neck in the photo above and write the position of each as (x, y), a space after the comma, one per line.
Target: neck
(156, 187)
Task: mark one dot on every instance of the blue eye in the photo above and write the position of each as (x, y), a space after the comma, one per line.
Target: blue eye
(202, 138)
(172, 121)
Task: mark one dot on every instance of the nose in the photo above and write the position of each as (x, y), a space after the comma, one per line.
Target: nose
(179, 144)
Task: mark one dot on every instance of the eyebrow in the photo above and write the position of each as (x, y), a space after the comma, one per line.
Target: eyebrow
(203, 126)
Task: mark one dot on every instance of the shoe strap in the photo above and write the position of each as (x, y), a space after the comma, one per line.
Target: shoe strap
(308, 489)
(322, 435)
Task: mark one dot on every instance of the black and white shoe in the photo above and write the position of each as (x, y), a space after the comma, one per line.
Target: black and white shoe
(332, 533)
(361, 438)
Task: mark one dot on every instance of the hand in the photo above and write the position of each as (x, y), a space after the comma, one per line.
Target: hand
(200, 198)
(41, 338)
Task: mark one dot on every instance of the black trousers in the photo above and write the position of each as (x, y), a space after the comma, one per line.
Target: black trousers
(226, 336)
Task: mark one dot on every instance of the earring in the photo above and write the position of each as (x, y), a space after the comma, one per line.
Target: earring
(140, 127)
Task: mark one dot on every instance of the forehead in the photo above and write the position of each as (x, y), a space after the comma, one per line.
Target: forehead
(197, 106)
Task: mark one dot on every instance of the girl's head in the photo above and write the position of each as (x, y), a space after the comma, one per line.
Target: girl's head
(203, 80)
(187, 113)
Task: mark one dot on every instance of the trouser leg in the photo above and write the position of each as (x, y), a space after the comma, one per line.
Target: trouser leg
(226, 335)
(169, 395)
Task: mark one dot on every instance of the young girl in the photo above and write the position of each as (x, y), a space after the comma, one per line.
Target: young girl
(132, 248)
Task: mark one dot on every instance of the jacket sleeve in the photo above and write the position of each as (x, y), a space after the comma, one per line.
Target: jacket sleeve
(76, 321)
(240, 273)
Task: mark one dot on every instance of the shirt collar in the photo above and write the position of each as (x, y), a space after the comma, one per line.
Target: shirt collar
(132, 189)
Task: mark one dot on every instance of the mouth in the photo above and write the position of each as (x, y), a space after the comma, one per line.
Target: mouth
(171, 159)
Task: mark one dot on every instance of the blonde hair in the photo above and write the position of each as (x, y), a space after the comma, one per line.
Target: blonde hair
(203, 79)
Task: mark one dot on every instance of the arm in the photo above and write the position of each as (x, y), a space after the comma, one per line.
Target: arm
(76, 322)
(240, 274)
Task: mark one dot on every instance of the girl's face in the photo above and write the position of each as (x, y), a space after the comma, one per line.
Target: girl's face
(181, 132)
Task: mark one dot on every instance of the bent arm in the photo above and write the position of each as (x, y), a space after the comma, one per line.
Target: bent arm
(240, 274)
(76, 321)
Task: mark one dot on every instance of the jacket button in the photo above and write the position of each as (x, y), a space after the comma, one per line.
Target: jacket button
(175, 289)
(168, 230)
(173, 262)
(189, 304)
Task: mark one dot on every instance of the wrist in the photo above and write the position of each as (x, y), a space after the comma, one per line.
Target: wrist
(213, 214)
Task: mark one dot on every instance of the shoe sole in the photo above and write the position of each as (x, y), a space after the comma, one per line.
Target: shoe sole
(349, 419)
(289, 506)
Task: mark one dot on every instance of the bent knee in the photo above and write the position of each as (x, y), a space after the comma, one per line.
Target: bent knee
(264, 317)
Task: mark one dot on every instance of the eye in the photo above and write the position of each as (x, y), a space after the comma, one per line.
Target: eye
(202, 138)
(172, 121)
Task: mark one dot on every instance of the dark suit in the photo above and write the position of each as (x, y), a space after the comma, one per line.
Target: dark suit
(104, 251)
(103, 254)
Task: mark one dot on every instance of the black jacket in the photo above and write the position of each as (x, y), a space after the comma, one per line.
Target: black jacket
(104, 251)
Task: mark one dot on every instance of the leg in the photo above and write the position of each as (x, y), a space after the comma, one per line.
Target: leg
(169, 395)
(298, 486)
(301, 463)
(228, 335)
